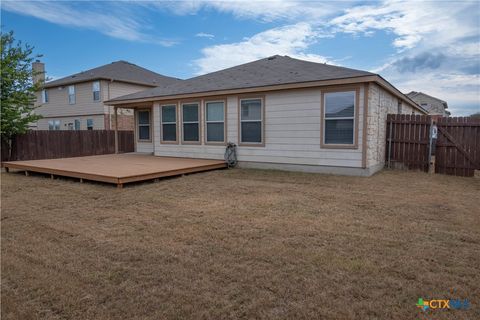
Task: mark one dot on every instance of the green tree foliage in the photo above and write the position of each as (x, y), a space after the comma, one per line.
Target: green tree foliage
(17, 87)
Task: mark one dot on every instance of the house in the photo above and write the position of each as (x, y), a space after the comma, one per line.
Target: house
(76, 102)
(282, 113)
(434, 106)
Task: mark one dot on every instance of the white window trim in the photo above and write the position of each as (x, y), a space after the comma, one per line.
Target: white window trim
(208, 122)
(325, 119)
(163, 122)
(44, 96)
(72, 94)
(192, 122)
(93, 91)
(149, 125)
(262, 124)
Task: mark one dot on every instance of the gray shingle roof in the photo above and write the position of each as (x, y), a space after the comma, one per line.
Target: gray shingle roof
(118, 71)
(264, 72)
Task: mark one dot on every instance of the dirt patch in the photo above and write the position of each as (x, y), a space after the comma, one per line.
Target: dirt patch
(240, 244)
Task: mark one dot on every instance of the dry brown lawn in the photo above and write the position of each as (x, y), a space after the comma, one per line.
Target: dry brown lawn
(240, 244)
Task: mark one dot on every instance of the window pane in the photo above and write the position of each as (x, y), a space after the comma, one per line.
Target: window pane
(89, 123)
(252, 109)
(96, 95)
(169, 132)
(252, 131)
(215, 132)
(56, 124)
(190, 132)
(144, 132)
(190, 112)
(215, 111)
(339, 104)
(144, 117)
(96, 86)
(50, 125)
(168, 114)
(71, 89)
(71, 99)
(77, 124)
(339, 131)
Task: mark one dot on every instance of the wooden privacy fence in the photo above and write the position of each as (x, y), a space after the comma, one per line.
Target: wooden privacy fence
(408, 141)
(458, 146)
(38, 144)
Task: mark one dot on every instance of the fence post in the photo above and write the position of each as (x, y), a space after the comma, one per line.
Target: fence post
(390, 143)
(430, 145)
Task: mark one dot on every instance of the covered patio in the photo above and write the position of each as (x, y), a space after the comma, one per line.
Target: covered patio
(116, 168)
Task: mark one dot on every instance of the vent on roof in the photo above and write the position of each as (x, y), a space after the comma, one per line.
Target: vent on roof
(272, 58)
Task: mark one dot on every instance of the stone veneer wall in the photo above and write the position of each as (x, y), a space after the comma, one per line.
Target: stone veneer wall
(380, 103)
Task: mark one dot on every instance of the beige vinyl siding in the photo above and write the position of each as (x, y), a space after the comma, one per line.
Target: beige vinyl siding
(98, 122)
(292, 133)
(85, 106)
(381, 103)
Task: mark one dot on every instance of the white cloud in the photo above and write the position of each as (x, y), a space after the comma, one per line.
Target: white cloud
(117, 22)
(292, 40)
(205, 35)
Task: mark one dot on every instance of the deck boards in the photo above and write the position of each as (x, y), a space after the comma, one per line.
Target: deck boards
(117, 168)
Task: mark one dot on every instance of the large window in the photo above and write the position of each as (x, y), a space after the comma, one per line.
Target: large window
(71, 94)
(96, 90)
(190, 119)
(251, 121)
(44, 96)
(339, 117)
(169, 123)
(54, 125)
(215, 121)
(143, 125)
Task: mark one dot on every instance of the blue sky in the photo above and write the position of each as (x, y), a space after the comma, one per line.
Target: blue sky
(429, 46)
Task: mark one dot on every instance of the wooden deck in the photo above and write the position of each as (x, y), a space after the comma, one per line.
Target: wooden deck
(116, 168)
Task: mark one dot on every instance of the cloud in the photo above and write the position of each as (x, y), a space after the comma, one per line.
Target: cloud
(422, 61)
(292, 40)
(205, 35)
(118, 22)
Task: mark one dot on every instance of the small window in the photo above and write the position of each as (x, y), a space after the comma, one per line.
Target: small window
(143, 124)
(54, 125)
(251, 121)
(399, 107)
(190, 116)
(169, 123)
(71, 94)
(215, 121)
(339, 116)
(77, 124)
(44, 96)
(96, 90)
(89, 124)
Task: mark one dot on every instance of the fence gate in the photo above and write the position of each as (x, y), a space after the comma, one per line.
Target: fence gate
(408, 141)
(458, 146)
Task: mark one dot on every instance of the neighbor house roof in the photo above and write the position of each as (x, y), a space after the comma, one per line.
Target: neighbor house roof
(117, 71)
(414, 94)
(276, 72)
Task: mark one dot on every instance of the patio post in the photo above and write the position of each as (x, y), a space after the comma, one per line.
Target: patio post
(116, 128)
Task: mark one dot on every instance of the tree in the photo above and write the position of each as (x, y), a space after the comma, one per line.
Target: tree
(17, 88)
(475, 115)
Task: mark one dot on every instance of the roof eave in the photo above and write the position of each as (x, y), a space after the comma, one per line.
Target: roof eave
(47, 85)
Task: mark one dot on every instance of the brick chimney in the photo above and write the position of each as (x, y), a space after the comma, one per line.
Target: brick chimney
(38, 68)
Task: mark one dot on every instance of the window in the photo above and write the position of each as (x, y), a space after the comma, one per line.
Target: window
(339, 115)
(96, 90)
(251, 121)
(89, 124)
(215, 121)
(169, 123)
(399, 107)
(190, 116)
(77, 124)
(143, 124)
(44, 96)
(71, 94)
(54, 125)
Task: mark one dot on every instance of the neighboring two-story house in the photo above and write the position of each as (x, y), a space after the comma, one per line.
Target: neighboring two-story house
(434, 106)
(76, 102)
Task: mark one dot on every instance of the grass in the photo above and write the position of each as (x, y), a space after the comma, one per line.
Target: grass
(240, 244)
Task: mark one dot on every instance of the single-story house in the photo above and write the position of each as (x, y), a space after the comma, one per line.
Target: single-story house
(282, 113)
(76, 102)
